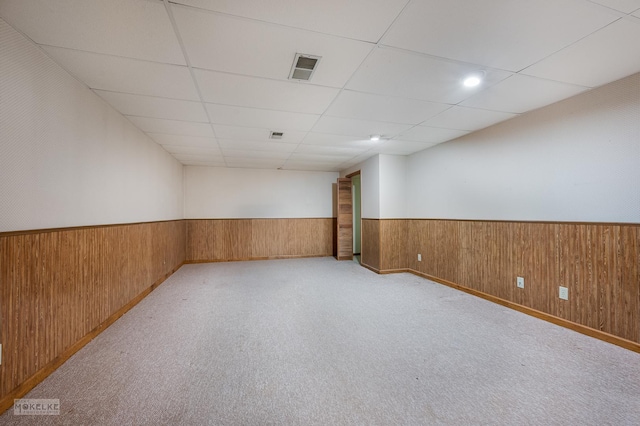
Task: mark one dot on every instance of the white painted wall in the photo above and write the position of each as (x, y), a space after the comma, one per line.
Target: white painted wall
(212, 192)
(383, 186)
(369, 186)
(577, 160)
(66, 157)
(393, 186)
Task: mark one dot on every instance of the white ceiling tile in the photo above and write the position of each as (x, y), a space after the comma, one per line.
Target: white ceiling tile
(330, 150)
(248, 162)
(126, 75)
(367, 106)
(251, 165)
(192, 150)
(359, 128)
(126, 51)
(312, 166)
(241, 153)
(430, 135)
(594, 61)
(262, 118)
(504, 34)
(204, 163)
(148, 106)
(399, 147)
(199, 157)
(257, 134)
(398, 73)
(521, 93)
(357, 19)
(256, 145)
(324, 158)
(237, 90)
(314, 138)
(237, 45)
(463, 118)
(131, 28)
(626, 6)
(173, 127)
(178, 140)
(358, 159)
(317, 161)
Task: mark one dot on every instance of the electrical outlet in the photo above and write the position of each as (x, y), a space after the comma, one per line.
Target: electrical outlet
(564, 293)
(520, 282)
(419, 257)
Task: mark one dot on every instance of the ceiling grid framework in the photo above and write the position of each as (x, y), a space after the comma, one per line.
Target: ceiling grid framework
(209, 79)
(193, 157)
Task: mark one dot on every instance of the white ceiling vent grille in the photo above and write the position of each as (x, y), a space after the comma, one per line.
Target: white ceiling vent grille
(276, 135)
(303, 67)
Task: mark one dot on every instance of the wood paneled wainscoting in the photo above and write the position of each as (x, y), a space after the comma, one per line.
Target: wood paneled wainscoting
(60, 288)
(384, 245)
(598, 263)
(215, 240)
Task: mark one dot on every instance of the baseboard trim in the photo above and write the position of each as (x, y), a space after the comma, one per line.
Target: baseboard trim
(393, 271)
(591, 332)
(248, 259)
(7, 401)
(371, 268)
(344, 257)
(385, 271)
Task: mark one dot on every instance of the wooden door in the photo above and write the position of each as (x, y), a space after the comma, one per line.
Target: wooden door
(345, 220)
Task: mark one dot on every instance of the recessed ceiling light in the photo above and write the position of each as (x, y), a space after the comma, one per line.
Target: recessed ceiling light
(374, 137)
(473, 80)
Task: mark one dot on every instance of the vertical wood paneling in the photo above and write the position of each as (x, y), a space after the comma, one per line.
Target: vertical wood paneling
(370, 248)
(532, 257)
(270, 237)
(447, 236)
(599, 264)
(237, 239)
(394, 239)
(313, 237)
(211, 240)
(60, 285)
(465, 257)
(627, 300)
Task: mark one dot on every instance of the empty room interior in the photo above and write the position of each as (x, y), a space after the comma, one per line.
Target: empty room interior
(320, 212)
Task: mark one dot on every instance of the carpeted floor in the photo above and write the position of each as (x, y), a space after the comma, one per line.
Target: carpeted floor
(321, 342)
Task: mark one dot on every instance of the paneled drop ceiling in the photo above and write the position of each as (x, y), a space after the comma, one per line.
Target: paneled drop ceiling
(208, 79)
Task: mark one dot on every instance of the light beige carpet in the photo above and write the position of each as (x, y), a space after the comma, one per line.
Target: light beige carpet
(317, 341)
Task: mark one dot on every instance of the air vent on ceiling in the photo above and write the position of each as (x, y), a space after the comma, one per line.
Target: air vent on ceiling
(303, 67)
(276, 135)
